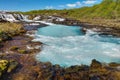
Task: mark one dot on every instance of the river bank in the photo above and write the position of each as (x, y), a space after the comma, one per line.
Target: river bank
(18, 52)
(102, 26)
(21, 50)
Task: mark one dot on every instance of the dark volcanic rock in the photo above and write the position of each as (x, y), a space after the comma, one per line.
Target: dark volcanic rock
(102, 30)
(95, 64)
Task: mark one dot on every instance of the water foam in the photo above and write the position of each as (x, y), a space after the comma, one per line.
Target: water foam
(79, 49)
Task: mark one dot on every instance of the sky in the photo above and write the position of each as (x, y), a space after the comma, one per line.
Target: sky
(27, 5)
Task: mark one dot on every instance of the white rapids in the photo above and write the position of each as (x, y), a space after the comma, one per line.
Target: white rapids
(77, 49)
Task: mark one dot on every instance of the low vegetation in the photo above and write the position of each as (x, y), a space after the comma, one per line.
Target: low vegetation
(99, 11)
(7, 30)
(107, 13)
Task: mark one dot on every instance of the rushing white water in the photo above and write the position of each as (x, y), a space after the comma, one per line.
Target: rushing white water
(75, 48)
(8, 17)
(44, 22)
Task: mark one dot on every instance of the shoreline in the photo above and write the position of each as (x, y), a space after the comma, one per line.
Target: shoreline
(30, 69)
(96, 25)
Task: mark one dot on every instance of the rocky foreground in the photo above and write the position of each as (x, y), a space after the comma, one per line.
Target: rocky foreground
(17, 62)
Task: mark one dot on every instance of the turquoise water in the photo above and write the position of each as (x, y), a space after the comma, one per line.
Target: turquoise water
(67, 45)
(59, 31)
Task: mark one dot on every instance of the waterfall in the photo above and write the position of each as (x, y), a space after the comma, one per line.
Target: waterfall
(7, 17)
(14, 17)
(23, 18)
(19, 17)
(0, 16)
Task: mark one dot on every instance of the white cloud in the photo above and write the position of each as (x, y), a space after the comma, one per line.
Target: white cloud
(79, 4)
(89, 2)
(76, 4)
(49, 7)
(71, 5)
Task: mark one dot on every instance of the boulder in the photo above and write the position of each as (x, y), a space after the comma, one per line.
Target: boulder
(3, 66)
(7, 66)
(12, 65)
(95, 64)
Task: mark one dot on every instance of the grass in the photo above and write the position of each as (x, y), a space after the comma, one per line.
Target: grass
(7, 30)
(103, 22)
(99, 14)
(10, 27)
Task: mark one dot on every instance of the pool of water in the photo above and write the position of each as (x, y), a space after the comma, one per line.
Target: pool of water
(59, 31)
(67, 45)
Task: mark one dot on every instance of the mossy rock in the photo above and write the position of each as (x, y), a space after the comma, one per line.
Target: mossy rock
(13, 48)
(12, 65)
(4, 36)
(3, 66)
(113, 64)
(95, 64)
(22, 51)
(76, 68)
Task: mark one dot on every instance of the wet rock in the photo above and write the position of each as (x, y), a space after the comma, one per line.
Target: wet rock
(22, 51)
(94, 78)
(14, 48)
(1, 45)
(113, 64)
(77, 68)
(101, 29)
(5, 36)
(12, 65)
(95, 64)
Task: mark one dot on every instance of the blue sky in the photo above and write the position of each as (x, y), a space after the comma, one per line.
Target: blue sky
(27, 5)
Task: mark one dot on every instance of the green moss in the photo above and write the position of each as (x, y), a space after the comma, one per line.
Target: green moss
(13, 64)
(22, 51)
(14, 48)
(3, 66)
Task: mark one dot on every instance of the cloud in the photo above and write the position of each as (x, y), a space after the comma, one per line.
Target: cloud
(76, 4)
(89, 2)
(49, 7)
(71, 5)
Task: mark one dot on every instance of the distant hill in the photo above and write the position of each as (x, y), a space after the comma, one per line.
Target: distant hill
(107, 9)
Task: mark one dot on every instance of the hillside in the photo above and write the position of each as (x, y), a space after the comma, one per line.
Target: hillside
(107, 9)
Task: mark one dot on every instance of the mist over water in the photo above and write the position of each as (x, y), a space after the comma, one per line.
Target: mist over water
(67, 45)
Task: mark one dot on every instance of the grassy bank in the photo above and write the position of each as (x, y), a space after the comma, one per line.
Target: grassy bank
(98, 11)
(99, 14)
(7, 30)
(103, 22)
